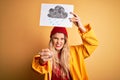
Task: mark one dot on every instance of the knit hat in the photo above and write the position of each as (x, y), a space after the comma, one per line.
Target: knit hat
(57, 29)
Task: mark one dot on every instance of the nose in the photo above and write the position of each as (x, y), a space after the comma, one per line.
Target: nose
(58, 41)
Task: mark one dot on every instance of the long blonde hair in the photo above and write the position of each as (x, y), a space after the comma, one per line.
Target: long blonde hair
(64, 57)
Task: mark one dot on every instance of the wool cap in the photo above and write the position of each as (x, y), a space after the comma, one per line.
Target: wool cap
(57, 29)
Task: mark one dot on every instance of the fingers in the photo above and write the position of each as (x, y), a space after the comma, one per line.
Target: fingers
(74, 14)
(45, 58)
(45, 54)
(75, 17)
(45, 50)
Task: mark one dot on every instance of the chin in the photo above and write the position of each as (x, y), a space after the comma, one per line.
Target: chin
(58, 49)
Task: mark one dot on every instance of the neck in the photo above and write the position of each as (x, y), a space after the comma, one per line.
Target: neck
(58, 51)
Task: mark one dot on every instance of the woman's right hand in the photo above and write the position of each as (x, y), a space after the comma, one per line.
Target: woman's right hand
(45, 55)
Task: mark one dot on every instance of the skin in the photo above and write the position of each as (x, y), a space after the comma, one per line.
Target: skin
(58, 40)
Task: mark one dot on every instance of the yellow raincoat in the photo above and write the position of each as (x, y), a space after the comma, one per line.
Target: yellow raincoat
(78, 54)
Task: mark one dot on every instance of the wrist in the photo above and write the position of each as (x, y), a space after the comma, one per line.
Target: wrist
(42, 63)
(82, 29)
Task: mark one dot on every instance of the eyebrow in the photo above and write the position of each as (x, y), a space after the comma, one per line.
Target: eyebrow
(57, 37)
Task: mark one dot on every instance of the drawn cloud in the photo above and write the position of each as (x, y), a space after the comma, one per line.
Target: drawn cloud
(57, 12)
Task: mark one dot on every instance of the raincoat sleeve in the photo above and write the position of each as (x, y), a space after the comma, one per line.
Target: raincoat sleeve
(89, 42)
(39, 68)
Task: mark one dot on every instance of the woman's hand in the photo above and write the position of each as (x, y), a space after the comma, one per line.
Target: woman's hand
(45, 55)
(76, 20)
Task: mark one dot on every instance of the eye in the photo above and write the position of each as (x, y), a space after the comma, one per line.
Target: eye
(55, 38)
(62, 38)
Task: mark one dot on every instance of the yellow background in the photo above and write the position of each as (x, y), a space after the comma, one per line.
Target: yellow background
(21, 37)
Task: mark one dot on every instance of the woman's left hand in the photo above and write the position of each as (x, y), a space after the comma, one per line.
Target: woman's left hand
(76, 20)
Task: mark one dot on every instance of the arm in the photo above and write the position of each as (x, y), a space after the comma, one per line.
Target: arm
(90, 42)
(89, 39)
(41, 61)
(37, 66)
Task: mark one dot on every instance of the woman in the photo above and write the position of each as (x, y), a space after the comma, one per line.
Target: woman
(63, 62)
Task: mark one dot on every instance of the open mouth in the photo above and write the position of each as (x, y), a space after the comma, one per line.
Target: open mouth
(58, 46)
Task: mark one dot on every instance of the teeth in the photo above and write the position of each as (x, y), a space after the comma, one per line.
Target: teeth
(57, 45)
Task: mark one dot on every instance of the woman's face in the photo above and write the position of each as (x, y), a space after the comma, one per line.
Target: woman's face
(58, 41)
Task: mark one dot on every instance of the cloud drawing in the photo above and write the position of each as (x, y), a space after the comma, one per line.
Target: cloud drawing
(57, 12)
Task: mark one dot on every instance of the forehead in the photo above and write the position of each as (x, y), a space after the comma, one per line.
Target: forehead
(59, 35)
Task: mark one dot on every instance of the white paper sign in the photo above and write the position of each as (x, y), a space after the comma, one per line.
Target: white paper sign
(56, 15)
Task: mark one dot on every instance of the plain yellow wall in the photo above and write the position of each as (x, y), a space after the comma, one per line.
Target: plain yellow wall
(21, 37)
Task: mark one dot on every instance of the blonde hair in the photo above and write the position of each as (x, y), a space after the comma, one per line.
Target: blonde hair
(64, 57)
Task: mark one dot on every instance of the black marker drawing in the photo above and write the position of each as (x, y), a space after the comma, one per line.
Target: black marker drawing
(56, 15)
(57, 12)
